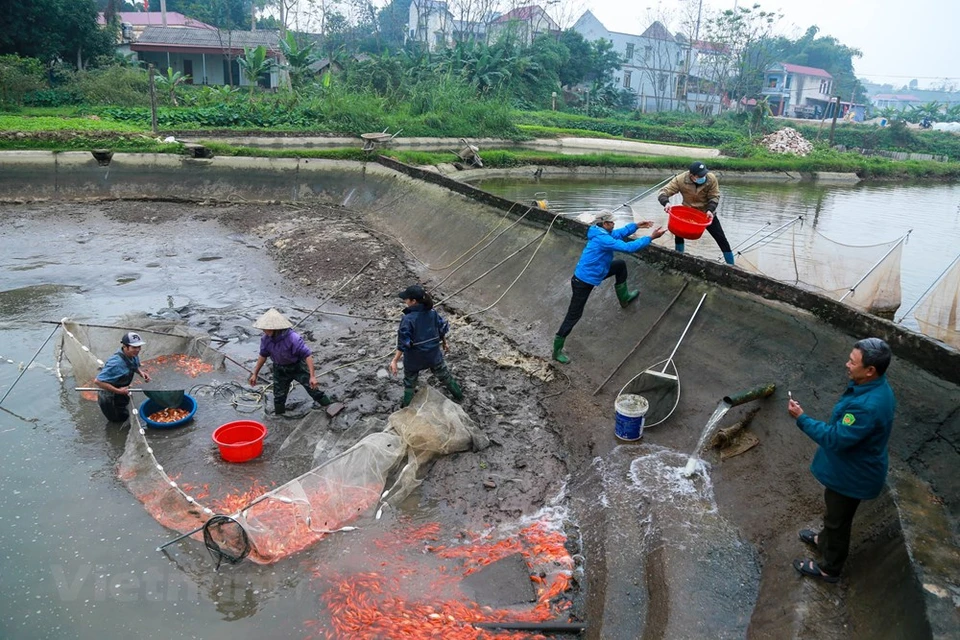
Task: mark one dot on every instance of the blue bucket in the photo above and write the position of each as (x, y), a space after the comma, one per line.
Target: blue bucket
(630, 409)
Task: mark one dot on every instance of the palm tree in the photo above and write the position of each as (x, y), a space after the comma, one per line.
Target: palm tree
(170, 82)
(254, 64)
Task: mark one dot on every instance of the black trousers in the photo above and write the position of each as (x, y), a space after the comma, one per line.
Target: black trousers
(115, 406)
(283, 377)
(581, 291)
(715, 230)
(833, 541)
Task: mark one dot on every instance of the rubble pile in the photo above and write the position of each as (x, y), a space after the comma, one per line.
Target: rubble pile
(787, 140)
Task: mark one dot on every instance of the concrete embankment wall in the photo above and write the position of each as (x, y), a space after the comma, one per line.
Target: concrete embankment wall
(750, 331)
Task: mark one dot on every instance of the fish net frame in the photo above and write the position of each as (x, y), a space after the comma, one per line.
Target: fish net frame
(236, 537)
(647, 381)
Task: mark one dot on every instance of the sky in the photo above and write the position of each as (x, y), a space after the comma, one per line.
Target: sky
(900, 40)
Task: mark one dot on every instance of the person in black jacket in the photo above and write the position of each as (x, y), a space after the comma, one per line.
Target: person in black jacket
(420, 338)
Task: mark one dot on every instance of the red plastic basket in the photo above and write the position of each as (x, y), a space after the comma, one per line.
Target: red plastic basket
(687, 222)
(240, 441)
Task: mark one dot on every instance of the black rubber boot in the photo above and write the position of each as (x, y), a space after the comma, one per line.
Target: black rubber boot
(407, 397)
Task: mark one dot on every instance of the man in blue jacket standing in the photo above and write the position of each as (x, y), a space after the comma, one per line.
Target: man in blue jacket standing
(596, 265)
(851, 462)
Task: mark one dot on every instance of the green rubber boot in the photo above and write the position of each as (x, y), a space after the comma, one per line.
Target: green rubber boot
(624, 295)
(558, 353)
(407, 397)
(455, 389)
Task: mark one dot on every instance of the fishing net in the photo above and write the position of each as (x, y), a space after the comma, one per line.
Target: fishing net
(938, 314)
(183, 483)
(661, 393)
(381, 467)
(817, 263)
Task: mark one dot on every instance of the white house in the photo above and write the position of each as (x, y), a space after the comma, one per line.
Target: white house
(796, 91)
(528, 23)
(651, 65)
(430, 22)
(896, 101)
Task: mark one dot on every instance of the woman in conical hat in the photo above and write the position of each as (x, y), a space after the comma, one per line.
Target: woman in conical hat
(292, 360)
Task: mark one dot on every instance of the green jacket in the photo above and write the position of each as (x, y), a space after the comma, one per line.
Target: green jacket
(852, 458)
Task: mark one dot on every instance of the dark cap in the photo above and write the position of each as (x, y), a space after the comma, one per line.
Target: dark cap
(132, 340)
(413, 292)
(698, 169)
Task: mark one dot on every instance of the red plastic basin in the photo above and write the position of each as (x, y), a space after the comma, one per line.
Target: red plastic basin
(688, 222)
(240, 441)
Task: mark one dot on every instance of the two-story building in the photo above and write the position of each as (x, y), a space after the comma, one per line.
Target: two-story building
(795, 91)
(651, 62)
(526, 23)
(431, 23)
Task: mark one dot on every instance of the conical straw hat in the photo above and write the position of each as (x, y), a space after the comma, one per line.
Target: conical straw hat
(272, 319)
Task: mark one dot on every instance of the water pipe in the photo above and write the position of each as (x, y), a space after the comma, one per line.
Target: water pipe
(750, 395)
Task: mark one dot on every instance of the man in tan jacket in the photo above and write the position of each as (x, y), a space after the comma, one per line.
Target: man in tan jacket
(700, 190)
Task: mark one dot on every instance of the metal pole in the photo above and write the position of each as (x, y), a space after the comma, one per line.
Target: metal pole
(752, 234)
(29, 363)
(644, 337)
(684, 334)
(771, 234)
(930, 288)
(874, 267)
(645, 193)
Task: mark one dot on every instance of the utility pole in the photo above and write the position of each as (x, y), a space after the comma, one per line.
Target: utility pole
(833, 125)
(153, 100)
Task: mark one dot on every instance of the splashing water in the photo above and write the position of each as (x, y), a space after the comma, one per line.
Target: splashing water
(718, 414)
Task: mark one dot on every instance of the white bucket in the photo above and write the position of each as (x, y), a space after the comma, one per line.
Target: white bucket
(630, 409)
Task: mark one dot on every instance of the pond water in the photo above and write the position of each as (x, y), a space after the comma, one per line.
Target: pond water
(854, 215)
(80, 558)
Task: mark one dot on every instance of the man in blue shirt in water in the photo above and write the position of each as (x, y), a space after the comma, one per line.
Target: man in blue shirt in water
(596, 265)
(116, 375)
(852, 460)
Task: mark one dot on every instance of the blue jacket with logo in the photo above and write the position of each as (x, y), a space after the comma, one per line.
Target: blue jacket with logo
(852, 458)
(595, 260)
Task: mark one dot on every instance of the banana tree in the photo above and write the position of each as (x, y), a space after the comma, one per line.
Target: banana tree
(170, 82)
(298, 57)
(254, 64)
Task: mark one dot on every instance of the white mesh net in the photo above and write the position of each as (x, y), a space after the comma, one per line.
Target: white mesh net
(938, 314)
(817, 263)
(384, 464)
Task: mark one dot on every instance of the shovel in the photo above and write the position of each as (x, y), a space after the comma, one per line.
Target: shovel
(166, 398)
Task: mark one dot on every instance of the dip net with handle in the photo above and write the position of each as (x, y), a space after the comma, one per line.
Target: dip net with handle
(865, 277)
(289, 506)
(938, 312)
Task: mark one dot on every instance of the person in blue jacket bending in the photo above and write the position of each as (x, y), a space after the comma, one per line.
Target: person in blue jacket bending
(421, 341)
(851, 462)
(596, 265)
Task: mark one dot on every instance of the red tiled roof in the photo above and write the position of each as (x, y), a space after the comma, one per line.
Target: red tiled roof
(520, 13)
(807, 71)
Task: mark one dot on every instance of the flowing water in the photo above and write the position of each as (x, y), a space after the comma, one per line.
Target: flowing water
(714, 420)
(856, 215)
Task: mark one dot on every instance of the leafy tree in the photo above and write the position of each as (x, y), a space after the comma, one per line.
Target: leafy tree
(299, 56)
(55, 29)
(826, 53)
(254, 64)
(223, 14)
(748, 34)
(170, 82)
(19, 76)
